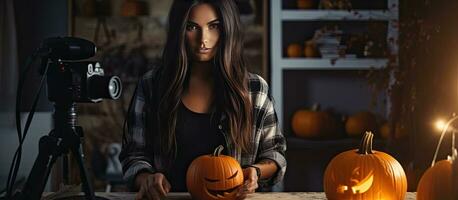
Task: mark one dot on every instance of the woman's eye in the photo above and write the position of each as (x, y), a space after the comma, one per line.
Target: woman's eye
(191, 27)
(213, 26)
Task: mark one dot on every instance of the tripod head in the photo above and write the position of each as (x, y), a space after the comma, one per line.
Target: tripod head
(82, 81)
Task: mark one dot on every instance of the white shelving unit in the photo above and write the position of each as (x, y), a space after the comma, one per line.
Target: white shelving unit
(331, 64)
(362, 15)
(278, 15)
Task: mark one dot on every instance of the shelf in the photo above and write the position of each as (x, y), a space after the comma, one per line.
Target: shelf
(334, 15)
(291, 25)
(332, 64)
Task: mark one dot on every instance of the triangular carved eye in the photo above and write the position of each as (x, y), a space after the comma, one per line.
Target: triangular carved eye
(211, 180)
(233, 176)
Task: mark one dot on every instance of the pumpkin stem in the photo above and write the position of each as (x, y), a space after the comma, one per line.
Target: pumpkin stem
(362, 144)
(370, 142)
(366, 143)
(316, 107)
(218, 150)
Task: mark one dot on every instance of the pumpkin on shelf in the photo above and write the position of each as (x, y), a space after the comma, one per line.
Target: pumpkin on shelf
(310, 49)
(314, 124)
(440, 181)
(335, 4)
(399, 132)
(132, 8)
(294, 50)
(305, 4)
(213, 177)
(360, 122)
(365, 174)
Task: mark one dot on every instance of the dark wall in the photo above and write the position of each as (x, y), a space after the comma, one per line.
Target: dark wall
(35, 21)
(428, 87)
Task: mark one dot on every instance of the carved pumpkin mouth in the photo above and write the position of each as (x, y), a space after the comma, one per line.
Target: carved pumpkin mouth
(360, 186)
(221, 193)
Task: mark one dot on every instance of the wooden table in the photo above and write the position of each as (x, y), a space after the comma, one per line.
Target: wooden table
(256, 196)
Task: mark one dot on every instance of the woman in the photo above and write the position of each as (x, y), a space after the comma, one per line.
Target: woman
(200, 97)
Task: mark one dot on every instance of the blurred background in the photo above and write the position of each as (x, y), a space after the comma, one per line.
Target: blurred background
(336, 68)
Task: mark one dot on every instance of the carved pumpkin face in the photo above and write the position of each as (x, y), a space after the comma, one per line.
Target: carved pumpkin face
(214, 177)
(365, 174)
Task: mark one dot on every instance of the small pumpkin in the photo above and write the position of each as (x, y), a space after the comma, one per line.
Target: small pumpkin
(294, 50)
(440, 181)
(335, 4)
(399, 132)
(365, 174)
(360, 122)
(132, 8)
(305, 4)
(310, 49)
(313, 124)
(214, 177)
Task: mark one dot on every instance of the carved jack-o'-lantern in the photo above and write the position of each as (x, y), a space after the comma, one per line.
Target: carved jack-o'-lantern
(365, 174)
(212, 177)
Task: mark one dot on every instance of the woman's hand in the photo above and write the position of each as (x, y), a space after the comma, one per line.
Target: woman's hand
(250, 183)
(152, 186)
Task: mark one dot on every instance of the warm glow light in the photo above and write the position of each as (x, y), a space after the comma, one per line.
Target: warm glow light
(360, 187)
(440, 125)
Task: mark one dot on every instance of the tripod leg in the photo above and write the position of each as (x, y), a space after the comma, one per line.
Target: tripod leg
(65, 169)
(77, 152)
(48, 153)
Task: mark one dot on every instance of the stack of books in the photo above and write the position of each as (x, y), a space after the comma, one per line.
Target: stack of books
(329, 43)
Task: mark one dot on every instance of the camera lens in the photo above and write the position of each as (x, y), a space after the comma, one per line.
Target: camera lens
(114, 87)
(108, 87)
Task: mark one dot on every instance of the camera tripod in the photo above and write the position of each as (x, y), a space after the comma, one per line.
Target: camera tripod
(68, 81)
(64, 138)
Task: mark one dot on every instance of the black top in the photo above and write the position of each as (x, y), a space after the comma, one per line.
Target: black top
(196, 135)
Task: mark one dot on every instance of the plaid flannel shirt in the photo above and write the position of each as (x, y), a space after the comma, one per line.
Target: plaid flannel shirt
(139, 155)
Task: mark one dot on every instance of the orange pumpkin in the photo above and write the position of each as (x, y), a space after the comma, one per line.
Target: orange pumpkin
(305, 4)
(313, 124)
(213, 177)
(399, 132)
(131, 8)
(310, 49)
(436, 182)
(360, 122)
(365, 174)
(440, 181)
(294, 50)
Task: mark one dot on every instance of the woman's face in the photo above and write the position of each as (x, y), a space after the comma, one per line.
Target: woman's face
(202, 32)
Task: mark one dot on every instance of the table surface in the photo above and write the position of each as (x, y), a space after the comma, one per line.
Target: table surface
(186, 196)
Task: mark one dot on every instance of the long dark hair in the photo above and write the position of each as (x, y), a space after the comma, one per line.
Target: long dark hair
(231, 75)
